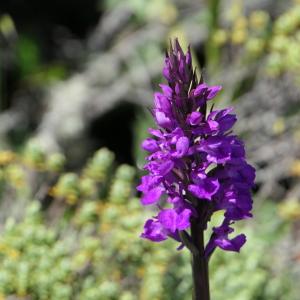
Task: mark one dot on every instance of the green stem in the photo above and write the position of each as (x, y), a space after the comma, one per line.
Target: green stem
(212, 52)
(199, 264)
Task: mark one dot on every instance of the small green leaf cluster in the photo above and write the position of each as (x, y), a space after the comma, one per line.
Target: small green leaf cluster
(256, 36)
(84, 244)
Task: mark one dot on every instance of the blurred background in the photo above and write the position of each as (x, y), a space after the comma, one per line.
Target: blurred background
(76, 78)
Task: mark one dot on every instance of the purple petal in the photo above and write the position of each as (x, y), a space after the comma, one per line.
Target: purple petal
(168, 92)
(220, 238)
(205, 189)
(165, 167)
(172, 220)
(162, 119)
(166, 70)
(188, 57)
(234, 244)
(200, 89)
(213, 91)
(150, 145)
(237, 149)
(175, 199)
(156, 132)
(168, 218)
(152, 196)
(213, 125)
(194, 118)
(183, 219)
(148, 182)
(162, 103)
(225, 119)
(182, 147)
(154, 231)
(218, 149)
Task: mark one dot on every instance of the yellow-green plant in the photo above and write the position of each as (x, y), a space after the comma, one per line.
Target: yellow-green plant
(89, 248)
(255, 36)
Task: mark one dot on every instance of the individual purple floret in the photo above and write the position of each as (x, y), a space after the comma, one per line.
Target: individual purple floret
(196, 166)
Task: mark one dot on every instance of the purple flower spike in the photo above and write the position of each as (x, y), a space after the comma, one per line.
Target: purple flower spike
(196, 166)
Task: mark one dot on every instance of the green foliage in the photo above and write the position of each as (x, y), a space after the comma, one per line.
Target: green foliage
(255, 36)
(86, 244)
(257, 272)
(28, 53)
(31, 65)
(98, 167)
(285, 43)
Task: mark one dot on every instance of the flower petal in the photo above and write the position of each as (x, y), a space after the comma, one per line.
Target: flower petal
(205, 189)
(152, 196)
(168, 218)
(194, 118)
(182, 147)
(213, 91)
(150, 145)
(154, 231)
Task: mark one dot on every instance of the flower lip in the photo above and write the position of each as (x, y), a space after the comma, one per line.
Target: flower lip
(205, 188)
(152, 196)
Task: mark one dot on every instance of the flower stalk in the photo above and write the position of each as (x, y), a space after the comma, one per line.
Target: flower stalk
(199, 265)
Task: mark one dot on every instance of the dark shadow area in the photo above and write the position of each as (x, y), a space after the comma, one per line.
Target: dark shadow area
(77, 15)
(114, 131)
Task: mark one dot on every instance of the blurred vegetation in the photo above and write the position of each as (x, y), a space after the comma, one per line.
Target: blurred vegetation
(259, 36)
(70, 226)
(78, 239)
